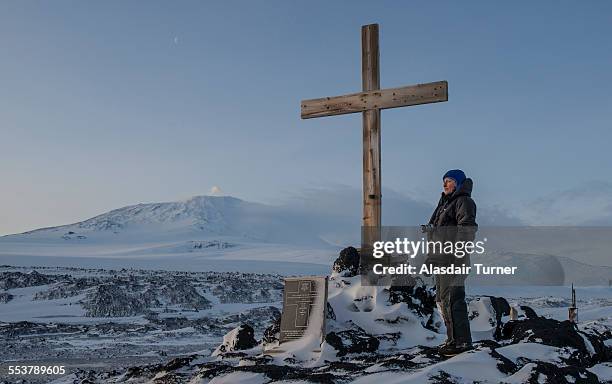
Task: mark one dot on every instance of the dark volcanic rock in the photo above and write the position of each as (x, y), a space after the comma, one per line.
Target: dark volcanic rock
(5, 297)
(272, 333)
(418, 297)
(529, 312)
(248, 288)
(69, 288)
(560, 374)
(557, 334)
(111, 300)
(10, 280)
(501, 308)
(129, 296)
(181, 291)
(347, 263)
(504, 364)
(245, 339)
(354, 340)
(179, 362)
(492, 309)
(256, 317)
(238, 339)
(27, 328)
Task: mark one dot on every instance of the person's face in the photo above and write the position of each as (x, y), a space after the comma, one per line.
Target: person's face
(449, 185)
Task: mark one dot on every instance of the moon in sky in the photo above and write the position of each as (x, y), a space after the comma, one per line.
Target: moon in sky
(176, 39)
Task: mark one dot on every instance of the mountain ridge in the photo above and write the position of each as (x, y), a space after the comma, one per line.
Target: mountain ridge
(156, 205)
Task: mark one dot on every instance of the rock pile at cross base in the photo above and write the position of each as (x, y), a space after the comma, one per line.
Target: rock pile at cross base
(389, 335)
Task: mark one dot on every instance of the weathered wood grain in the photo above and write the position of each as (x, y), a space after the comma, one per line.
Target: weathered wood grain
(375, 99)
(370, 79)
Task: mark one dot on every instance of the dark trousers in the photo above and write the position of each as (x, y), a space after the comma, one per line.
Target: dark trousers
(450, 295)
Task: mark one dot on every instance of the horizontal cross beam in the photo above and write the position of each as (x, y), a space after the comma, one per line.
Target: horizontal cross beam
(379, 99)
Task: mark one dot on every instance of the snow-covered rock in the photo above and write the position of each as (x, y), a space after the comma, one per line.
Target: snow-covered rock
(129, 297)
(271, 335)
(347, 263)
(10, 280)
(5, 297)
(238, 339)
(384, 334)
(353, 340)
(485, 314)
(587, 348)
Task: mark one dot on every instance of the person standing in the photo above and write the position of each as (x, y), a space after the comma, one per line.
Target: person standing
(454, 219)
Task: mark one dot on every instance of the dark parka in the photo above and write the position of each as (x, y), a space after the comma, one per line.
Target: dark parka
(454, 219)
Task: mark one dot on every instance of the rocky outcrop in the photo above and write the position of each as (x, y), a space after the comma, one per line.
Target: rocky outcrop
(374, 334)
(248, 288)
(130, 297)
(11, 280)
(347, 263)
(272, 334)
(69, 287)
(179, 291)
(238, 339)
(487, 312)
(354, 340)
(5, 297)
(588, 348)
(110, 300)
(417, 296)
(560, 374)
(528, 312)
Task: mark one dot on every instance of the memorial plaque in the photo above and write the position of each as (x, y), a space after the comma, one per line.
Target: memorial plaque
(304, 307)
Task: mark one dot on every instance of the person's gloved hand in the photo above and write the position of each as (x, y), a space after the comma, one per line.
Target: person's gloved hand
(426, 228)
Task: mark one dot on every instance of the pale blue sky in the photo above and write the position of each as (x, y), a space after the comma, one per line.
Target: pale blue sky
(113, 103)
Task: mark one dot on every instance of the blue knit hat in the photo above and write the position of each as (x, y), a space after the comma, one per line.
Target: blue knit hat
(457, 175)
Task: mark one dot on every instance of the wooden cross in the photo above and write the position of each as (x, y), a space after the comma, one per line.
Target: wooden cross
(370, 102)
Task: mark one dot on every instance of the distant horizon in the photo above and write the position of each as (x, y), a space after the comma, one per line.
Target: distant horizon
(492, 214)
(148, 231)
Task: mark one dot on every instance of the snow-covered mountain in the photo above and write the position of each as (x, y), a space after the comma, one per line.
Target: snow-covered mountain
(199, 216)
(223, 233)
(205, 233)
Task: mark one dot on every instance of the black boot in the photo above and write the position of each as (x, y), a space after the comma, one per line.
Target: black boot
(454, 348)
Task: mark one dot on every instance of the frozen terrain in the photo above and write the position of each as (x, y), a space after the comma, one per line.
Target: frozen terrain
(114, 318)
(191, 292)
(204, 233)
(144, 326)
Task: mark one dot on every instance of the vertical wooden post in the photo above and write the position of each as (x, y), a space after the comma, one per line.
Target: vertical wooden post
(370, 74)
(573, 311)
